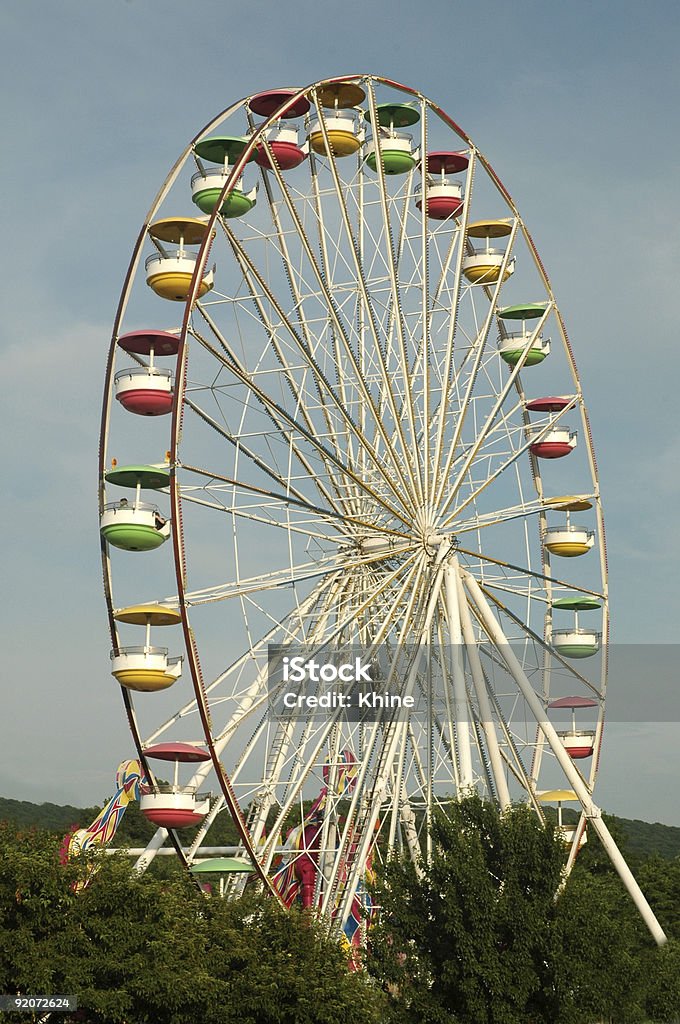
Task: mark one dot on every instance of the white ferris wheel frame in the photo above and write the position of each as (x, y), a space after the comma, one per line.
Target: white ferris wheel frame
(456, 596)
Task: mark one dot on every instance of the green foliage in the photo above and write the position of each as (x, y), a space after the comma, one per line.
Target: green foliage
(479, 937)
(142, 949)
(660, 881)
(467, 939)
(598, 941)
(287, 969)
(662, 971)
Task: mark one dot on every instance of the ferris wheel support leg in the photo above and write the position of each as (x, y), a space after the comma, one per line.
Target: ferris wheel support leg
(497, 766)
(592, 812)
(460, 701)
(154, 845)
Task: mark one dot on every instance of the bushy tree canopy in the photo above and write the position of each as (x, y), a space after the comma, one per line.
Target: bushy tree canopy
(479, 937)
(476, 937)
(143, 949)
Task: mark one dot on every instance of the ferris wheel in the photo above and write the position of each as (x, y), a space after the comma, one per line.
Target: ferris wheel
(342, 413)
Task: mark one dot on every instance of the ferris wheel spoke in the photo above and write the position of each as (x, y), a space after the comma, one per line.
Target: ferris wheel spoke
(309, 426)
(283, 245)
(515, 587)
(386, 758)
(413, 456)
(480, 346)
(412, 480)
(500, 442)
(538, 430)
(500, 516)
(241, 513)
(265, 467)
(424, 595)
(280, 746)
(529, 573)
(425, 312)
(303, 765)
(302, 770)
(295, 388)
(483, 521)
(393, 350)
(486, 428)
(281, 578)
(403, 231)
(334, 632)
(367, 608)
(321, 591)
(417, 246)
(443, 410)
(466, 340)
(304, 343)
(314, 442)
(340, 334)
(514, 455)
(280, 501)
(336, 340)
(257, 698)
(411, 564)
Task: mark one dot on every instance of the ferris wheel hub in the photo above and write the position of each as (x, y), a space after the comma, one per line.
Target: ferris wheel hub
(434, 542)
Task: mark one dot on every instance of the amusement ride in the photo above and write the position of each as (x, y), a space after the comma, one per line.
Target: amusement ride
(342, 413)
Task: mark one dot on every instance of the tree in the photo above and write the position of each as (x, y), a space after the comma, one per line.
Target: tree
(662, 971)
(143, 949)
(660, 881)
(467, 940)
(480, 937)
(598, 941)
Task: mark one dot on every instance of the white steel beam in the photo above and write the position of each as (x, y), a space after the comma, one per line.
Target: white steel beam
(574, 777)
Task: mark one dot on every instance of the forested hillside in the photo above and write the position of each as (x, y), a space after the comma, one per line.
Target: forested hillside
(640, 838)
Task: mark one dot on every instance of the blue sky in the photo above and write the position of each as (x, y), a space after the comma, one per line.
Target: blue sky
(576, 107)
